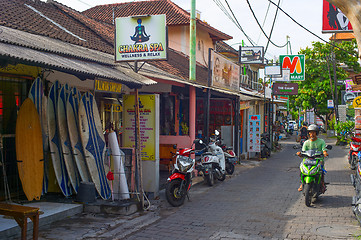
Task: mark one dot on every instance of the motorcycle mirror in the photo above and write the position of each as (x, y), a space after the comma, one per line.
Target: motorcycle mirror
(200, 141)
(175, 146)
(216, 132)
(329, 147)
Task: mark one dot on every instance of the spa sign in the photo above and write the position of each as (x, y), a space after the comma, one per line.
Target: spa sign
(141, 38)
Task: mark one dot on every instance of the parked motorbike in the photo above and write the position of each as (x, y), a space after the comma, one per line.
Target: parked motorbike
(180, 181)
(312, 175)
(356, 182)
(265, 145)
(213, 163)
(230, 158)
(355, 148)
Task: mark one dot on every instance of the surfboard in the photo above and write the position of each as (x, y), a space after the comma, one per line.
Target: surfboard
(93, 143)
(72, 110)
(54, 141)
(29, 150)
(36, 94)
(64, 138)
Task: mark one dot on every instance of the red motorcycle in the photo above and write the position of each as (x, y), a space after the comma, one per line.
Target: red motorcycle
(179, 183)
(355, 148)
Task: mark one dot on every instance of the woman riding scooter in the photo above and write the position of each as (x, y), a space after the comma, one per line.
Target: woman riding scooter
(314, 143)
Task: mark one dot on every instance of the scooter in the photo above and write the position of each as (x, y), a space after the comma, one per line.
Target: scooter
(312, 175)
(230, 158)
(355, 148)
(213, 163)
(180, 181)
(356, 182)
(265, 145)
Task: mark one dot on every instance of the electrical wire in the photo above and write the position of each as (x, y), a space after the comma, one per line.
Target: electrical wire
(273, 24)
(264, 21)
(353, 54)
(269, 39)
(233, 19)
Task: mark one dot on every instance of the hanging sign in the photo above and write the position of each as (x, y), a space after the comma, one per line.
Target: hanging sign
(251, 55)
(140, 38)
(330, 103)
(357, 102)
(285, 88)
(296, 64)
(254, 133)
(333, 20)
(107, 86)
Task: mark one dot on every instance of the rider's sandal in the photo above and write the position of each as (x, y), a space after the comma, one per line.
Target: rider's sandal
(300, 189)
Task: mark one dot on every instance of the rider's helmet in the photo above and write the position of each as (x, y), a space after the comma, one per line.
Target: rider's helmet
(313, 127)
(305, 124)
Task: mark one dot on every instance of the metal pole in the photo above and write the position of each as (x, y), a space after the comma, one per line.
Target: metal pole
(138, 144)
(208, 98)
(335, 83)
(192, 43)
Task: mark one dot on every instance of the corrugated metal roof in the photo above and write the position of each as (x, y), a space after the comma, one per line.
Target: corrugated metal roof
(55, 54)
(70, 65)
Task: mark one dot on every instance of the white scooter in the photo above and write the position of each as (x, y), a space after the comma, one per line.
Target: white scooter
(213, 163)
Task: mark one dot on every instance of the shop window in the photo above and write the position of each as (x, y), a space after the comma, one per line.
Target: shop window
(174, 114)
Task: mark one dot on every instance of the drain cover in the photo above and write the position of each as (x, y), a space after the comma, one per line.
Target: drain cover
(337, 231)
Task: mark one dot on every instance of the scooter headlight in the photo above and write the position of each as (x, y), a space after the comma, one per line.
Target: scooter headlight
(304, 169)
(315, 170)
(184, 163)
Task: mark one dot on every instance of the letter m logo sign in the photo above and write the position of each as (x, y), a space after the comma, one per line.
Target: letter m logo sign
(296, 64)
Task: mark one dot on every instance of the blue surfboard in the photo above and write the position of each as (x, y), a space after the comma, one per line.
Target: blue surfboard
(93, 143)
(54, 141)
(64, 138)
(36, 94)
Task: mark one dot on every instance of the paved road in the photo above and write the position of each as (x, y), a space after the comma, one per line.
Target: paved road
(259, 203)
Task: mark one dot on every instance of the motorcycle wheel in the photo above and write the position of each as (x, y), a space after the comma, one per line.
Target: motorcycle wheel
(172, 194)
(210, 178)
(353, 162)
(308, 194)
(229, 168)
(222, 177)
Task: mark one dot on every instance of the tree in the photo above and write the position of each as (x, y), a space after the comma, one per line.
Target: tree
(318, 86)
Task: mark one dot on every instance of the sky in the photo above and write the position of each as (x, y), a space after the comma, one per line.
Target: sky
(306, 12)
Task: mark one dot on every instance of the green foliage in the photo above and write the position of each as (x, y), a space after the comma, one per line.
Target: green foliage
(314, 92)
(343, 128)
(331, 124)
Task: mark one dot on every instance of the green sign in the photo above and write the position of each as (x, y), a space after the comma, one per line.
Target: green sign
(296, 64)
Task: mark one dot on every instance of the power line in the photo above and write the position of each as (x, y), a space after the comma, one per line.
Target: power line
(269, 39)
(233, 19)
(310, 31)
(264, 21)
(273, 24)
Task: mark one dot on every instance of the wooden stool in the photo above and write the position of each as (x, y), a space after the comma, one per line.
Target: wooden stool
(20, 214)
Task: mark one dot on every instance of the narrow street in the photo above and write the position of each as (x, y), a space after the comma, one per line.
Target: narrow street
(261, 202)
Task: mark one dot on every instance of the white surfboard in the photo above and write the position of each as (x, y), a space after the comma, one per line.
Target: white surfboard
(72, 110)
(64, 139)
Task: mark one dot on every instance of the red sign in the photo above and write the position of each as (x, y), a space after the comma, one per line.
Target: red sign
(333, 20)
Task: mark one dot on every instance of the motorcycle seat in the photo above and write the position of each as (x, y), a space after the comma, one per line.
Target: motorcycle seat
(207, 154)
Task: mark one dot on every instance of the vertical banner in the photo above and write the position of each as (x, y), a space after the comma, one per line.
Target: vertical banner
(147, 115)
(254, 133)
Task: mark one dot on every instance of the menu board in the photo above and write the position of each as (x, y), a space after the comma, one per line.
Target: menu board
(254, 133)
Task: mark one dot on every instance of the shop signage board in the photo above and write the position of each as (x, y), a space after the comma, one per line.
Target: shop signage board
(330, 103)
(225, 73)
(285, 76)
(149, 129)
(357, 102)
(333, 20)
(254, 133)
(251, 55)
(107, 86)
(273, 70)
(141, 38)
(285, 88)
(296, 64)
(108, 107)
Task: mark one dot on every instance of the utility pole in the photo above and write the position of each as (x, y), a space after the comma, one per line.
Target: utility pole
(192, 43)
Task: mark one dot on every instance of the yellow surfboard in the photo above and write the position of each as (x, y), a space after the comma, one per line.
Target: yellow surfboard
(29, 150)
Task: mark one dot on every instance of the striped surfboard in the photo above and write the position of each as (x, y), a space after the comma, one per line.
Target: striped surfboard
(64, 138)
(72, 110)
(93, 143)
(54, 141)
